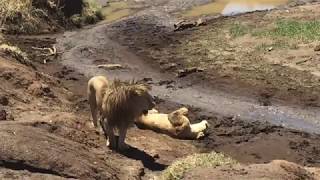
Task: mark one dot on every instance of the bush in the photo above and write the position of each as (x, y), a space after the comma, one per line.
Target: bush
(91, 13)
(178, 168)
(34, 16)
(19, 16)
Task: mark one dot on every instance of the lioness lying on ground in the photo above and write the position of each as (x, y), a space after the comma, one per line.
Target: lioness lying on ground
(119, 104)
(175, 124)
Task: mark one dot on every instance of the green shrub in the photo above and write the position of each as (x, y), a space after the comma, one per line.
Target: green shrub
(178, 168)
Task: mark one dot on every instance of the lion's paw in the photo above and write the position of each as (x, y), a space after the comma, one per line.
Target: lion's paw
(111, 145)
(123, 147)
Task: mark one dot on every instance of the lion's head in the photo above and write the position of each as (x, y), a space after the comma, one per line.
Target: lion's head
(142, 99)
(127, 100)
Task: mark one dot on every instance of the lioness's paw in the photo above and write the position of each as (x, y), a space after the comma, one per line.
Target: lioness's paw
(202, 126)
(200, 135)
(205, 122)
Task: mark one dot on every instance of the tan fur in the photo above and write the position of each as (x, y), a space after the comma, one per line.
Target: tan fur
(96, 89)
(175, 124)
(118, 103)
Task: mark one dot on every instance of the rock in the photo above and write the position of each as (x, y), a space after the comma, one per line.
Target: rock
(39, 89)
(45, 88)
(147, 79)
(4, 101)
(169, 86)
(317, 48)
(3, 115)
(35, 89)
(182, 25)
(185, 72)
(200, 22)
(10, 117)
(162, 62)
(156, 156)
(110, 66)
(201, 69)
(169, 66)
(295, 3)
(165, 82)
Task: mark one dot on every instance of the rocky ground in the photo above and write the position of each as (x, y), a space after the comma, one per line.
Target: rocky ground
(44, 113)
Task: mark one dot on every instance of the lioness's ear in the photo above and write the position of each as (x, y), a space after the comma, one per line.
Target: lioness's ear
(183, 110)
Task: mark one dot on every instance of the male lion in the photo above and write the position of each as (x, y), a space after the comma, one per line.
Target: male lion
(119, 104)
(175, 124)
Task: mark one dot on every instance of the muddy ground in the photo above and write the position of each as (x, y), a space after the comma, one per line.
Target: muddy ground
(44, 112)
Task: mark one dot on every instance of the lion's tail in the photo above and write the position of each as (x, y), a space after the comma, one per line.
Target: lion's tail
(92, 102)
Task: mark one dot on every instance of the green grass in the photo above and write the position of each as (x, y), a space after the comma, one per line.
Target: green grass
(301, 30)
(292, 29)
(237, 30)
(178, 168)
(309, 30)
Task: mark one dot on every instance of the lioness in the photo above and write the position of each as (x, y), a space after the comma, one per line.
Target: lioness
(175, 124)
(119, 104)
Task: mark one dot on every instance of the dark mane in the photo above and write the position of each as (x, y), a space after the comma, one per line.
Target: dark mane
(118, 102)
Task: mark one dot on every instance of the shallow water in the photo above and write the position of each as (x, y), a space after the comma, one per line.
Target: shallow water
(116, 10)
(232, 7)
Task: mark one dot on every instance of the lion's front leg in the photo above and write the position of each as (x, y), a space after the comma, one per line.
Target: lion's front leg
(121, 141)
(112, 139)
(109, 134)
